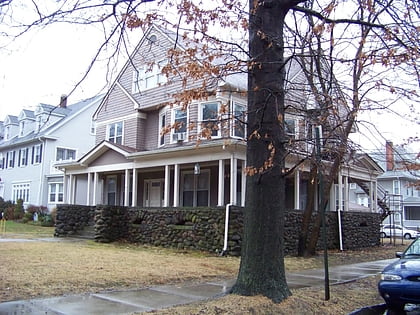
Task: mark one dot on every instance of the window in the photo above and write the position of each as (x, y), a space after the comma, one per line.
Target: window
(111, 186)
(23, 157)
(7, 133)
(93, 127)
(37, 154)
(196, 189)
(21, 128)
(2, 161)
(239, 112)
(21, 191)
(55, 193)
(180, 118)
(65, 154)
(396, 187)
(290, 127)
(209, 120)
(10, 159)
(148, 76)
(115, 133)
(162, 127)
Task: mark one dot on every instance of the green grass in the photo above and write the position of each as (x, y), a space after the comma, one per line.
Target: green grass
(26, 229)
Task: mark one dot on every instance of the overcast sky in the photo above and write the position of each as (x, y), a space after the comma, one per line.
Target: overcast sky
(44, 64)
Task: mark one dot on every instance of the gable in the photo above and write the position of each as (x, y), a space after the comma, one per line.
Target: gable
(109, 157)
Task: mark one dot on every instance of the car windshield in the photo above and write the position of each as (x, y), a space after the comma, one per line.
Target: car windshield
(413, 250)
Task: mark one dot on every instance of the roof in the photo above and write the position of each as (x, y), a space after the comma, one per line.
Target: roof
(68, 113)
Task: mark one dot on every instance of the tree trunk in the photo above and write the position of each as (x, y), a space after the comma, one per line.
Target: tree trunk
(262, 263)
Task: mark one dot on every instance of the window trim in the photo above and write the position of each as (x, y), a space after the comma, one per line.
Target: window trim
(21, 190)
(145, 73)
(217, 120)
(235, 122)
(66, 151)
(173, 120)
(108, 129)
(56, 193)
(162, 125)
(195, 187)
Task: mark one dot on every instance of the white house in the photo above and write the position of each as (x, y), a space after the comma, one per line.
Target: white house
(31, 143)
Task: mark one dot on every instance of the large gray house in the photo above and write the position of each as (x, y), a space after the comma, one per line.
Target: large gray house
(136, 163)
(31, 143)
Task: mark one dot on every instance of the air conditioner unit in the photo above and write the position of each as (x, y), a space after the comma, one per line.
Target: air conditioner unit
(179, 136)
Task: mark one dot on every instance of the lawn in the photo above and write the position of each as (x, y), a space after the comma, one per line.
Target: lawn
(28, 230)
(59, 266)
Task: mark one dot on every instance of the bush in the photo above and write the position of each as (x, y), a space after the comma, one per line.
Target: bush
(7, 208)
(19, 211)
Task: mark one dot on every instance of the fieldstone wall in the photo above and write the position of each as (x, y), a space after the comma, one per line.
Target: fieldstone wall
(71, 219)
(204, 228)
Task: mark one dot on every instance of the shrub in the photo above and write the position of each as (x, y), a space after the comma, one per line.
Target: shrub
(19, 210)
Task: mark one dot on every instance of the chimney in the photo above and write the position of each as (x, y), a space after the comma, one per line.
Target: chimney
(389, 156)
(63, 101)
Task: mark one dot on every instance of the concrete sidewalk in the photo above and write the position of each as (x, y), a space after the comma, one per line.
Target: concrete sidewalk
(165, 296)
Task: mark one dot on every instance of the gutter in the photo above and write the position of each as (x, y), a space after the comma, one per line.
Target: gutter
(225, 242)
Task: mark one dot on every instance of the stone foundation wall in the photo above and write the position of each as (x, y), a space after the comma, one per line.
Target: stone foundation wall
(71, 219)
(204, 228)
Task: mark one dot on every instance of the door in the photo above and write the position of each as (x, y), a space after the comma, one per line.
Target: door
(153, 192)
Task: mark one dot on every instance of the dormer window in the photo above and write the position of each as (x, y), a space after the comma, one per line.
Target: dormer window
(21, 129)
(209, 117)
(7, 133)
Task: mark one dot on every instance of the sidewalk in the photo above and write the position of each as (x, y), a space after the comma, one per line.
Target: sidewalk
(165, 296)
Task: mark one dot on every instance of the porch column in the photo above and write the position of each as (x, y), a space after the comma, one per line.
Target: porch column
(297, 189)
(176, 185)
(95, 188)
(340, 192)
(346, 193)
(65, 187)
(221, 185)
(71, 189)
(375, 196)
(233, 180)
(243, 183)
(371, 194)
(127, 188)
(134, 188)
(167, 186)
(88, 192)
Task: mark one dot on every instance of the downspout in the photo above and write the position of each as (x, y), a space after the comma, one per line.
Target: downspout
(340, 232)
(41, 175)
(225, 242)
(340, 208)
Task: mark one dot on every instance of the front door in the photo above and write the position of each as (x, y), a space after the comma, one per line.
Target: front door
(153, 193)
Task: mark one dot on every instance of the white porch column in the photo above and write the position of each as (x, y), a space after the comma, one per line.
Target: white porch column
(340, 192)
(375, 196)
(371, 194)
(134, 188)
(221, 184)
(346, 193)
(71, 189)
(176, 185)
(233, 180)
(297, 189)
(65, 188)
(95, 188)
(243, 183)
(127, 188)
(167, 186)
(88, 192)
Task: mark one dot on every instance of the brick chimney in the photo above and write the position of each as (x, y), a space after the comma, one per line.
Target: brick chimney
(63, 101)
(389, 156)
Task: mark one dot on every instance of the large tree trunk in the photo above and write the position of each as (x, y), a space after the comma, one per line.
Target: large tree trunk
(262, 264)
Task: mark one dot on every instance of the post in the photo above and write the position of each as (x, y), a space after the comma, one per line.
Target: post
(321, 208)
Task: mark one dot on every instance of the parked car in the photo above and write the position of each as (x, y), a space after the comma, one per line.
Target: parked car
(388, 230)
(400, 281)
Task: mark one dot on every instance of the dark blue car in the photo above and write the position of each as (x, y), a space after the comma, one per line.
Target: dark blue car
(400, 281)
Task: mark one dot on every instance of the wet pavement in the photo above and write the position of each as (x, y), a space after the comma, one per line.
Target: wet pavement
(164, 296)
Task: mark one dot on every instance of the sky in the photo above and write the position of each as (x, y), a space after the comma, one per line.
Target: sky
(47, 63)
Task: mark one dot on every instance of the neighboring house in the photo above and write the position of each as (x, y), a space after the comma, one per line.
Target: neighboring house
(134, 163)
(32, 142)
(395, 185)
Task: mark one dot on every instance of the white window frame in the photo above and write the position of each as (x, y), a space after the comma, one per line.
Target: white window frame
(287, 127)
(10, 163)
(184, 129)
(216, 121)
(21, 190)
(23, 157)
(2, 161)
(7, 133)
(162, 125)
(396, 189)
(235, 122)
(66, 154)
(108, 191)
(148, 76)
(21, 128)
(57, 193)
(116, 135)
(37, 154)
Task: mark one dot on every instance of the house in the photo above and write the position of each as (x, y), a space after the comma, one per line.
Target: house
(396, 185)
(149, 153)
(33, 141)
